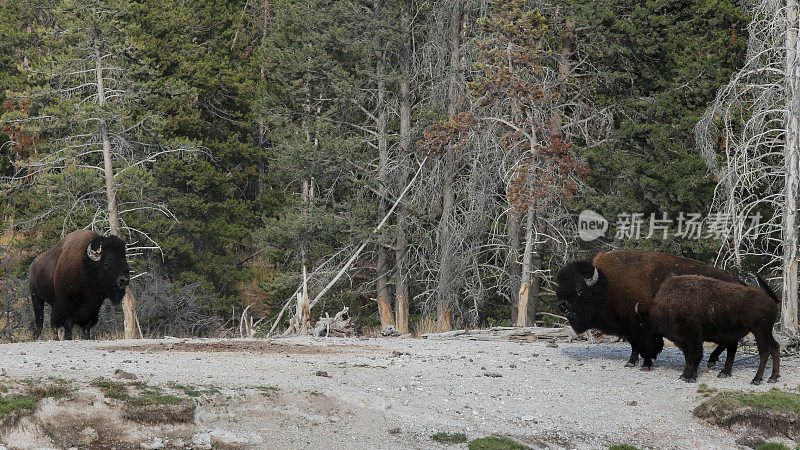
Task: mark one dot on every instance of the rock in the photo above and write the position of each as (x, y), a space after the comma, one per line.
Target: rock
(182, 412)
(723, 412)
(528, 419)
(390, 331)
(492, 374)
(119, 373)
(631, 403)
(156, 443)
(322, 373)
(201, 441)
(88, 436)
(224, 438)
(752, 440)
(394, 431)
(552, 345)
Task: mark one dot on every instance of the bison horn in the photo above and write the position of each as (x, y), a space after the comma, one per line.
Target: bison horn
(636, 308)
(593, 280)
(94, 255)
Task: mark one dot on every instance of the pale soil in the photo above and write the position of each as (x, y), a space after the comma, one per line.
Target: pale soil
(381, 393)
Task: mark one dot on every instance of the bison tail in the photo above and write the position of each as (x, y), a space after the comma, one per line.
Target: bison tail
(766, 287)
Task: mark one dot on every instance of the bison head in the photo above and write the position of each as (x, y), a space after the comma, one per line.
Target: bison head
(579, 294)
(105, 257)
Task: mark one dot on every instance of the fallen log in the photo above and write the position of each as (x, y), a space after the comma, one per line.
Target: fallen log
(338, 325)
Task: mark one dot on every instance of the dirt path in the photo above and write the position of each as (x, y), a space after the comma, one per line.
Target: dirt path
(394, 393)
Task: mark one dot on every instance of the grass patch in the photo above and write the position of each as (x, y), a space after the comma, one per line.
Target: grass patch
(267, 391)
(773, 446)
(57, 388)
(148, 395)
(111, 389)
(705, 390)
(17, 404)
(194, 391)
(629, 446)
(449, 438)
(152, 399)
(772, 399)
(495, 443)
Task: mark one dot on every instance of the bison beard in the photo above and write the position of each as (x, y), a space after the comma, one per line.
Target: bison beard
(601, 294)
(691, 309)
(75, 277)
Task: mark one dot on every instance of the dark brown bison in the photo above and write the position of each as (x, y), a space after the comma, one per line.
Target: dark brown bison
(74, 277)
(602, 293)
(691, 309)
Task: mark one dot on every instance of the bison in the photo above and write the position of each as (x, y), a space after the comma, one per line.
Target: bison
(75, 277)
(691, 309)
(602, 293)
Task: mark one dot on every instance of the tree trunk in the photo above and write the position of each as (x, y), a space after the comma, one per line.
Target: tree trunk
(443, 313)
(536, 280)
(382, 266)
(400, 262)
(513, 229)
(262, 123)
(128, 302)
(401, 284)
(525, 283)
(563, 73)
(791, 160)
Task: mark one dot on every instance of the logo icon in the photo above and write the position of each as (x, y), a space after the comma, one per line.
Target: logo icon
(591, 225)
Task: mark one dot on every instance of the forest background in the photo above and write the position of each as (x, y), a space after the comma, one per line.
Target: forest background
(252, 138)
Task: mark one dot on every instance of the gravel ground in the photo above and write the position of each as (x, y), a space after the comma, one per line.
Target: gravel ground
(395, 393)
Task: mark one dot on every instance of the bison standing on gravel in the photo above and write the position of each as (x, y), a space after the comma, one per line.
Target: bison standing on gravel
(602, 294)
(75, 277)
(691, 309)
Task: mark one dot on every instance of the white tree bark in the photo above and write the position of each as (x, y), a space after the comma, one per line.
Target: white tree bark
(791, 160)
(749, 138)
(525, 284)
(128, 303)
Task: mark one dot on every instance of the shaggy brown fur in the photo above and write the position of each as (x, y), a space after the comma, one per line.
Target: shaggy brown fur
(75, 285)
(691, 309)
(626, 277)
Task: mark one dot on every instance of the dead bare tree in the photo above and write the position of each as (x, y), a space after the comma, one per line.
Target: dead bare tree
(91, 132)
(749, 139)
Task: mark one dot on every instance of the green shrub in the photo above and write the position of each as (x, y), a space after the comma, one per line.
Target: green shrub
(449, 438)
(495, 443)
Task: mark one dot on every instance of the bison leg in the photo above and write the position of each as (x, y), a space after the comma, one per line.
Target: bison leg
(714, 356)
(650, 346)
(634, 357)
(775, 351)
(726, 371)
(38, 315)
(763, 355)
(692, 354)
(56, 322)
(86, 334)
(68, 330)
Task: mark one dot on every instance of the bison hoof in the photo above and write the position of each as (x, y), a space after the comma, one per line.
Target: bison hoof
(723, 375)
(646, 368)
(711, 363)
(772, 380)
(630, 364)
(755, 382)
(688, 380)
